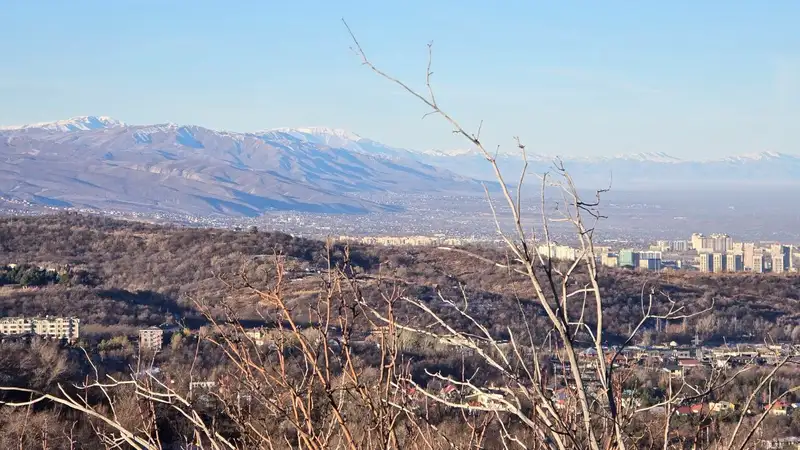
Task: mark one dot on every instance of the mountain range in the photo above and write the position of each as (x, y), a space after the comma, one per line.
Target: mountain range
(640, 171)
(102, 163)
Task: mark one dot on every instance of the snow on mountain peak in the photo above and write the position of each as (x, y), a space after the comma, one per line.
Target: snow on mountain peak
(650, 157)
(319, 133)
(761, 156)
(452, 152)
(79, 123)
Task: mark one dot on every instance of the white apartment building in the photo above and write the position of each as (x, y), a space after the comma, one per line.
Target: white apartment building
(716, 243)
(734, 262)
(706, 262)
(52, 327)
(758, 263)
(561, 252)
(151, 339)
(609, 259)
(679, 246)
(781, 258)
(718, 262)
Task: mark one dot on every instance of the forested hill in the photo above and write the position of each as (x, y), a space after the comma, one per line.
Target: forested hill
(120, 275)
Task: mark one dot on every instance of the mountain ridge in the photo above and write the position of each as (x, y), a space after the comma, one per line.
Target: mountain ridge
(101, 163)
(330, 135)
(192, 169)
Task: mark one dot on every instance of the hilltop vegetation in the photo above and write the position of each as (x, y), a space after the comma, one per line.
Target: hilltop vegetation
(119, 275)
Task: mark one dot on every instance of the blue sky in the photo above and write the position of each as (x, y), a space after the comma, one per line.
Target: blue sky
(688, 78)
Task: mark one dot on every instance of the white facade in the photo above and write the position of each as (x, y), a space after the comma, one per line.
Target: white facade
(51, 327)
(561, 252)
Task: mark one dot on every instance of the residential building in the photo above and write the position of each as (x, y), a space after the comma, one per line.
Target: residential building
(699, 242)
(781, 258)
(151, 339)
(734, 262)
(650, 260)
(777, 264)
(716, 243)
(758, 263)
(748, 252)
(721, 242)
(718, 262)
(706, 262)
(780, 408)
(600, 249)
(561, 252)
(609, 259)
(671, 246)
(51, 327)
(628, 258)
(258, 336)
(650, 255)
(721, 407)
(650, 264)
(679, 246)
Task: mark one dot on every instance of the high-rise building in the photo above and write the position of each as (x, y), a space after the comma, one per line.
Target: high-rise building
(560, 252)
(781, 258)
(706, 262)
(734, 262)
(716, 243)
(720, 242)
(628, 258)
(758, 263)
(679, 246)
(748, 253)
(718, 262)
(698, 242)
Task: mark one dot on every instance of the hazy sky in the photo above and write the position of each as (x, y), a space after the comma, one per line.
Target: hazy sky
(689, 78)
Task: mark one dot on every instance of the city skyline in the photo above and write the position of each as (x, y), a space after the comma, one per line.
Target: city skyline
(621, 74)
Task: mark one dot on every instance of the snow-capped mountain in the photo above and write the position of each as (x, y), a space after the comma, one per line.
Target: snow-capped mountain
(100, 162)
(656, 157)
(192, 169)
(332, 137)
(640, 170)
(451, 152)
(80, 123)
(337, 138)
(761, 156)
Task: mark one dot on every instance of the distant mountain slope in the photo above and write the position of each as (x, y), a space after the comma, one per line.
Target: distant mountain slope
(102, 163)
(641, 171)
(99, 162)
(74, 124)
(644, 170)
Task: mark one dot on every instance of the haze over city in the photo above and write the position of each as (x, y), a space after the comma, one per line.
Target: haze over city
(399, 226)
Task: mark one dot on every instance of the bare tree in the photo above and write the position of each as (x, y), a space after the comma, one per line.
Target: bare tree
(571, 299)
(302, 382)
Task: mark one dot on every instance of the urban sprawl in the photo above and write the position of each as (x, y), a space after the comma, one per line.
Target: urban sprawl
(715, 253)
